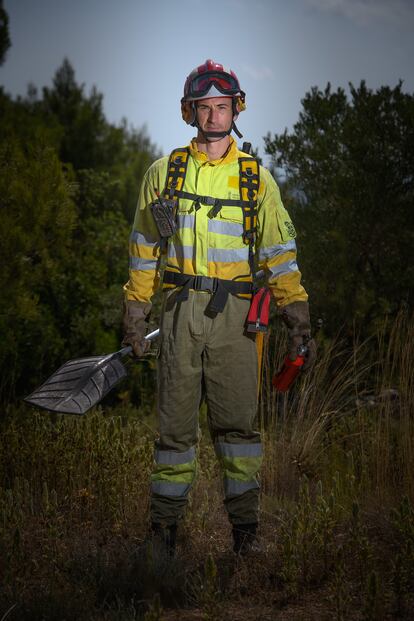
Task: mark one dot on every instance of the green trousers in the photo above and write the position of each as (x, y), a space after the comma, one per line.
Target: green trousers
(209, 357)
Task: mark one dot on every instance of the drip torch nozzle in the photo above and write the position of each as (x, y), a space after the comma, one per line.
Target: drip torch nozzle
(290, 370)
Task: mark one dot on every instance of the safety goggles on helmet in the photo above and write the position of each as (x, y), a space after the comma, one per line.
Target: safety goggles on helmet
(200, 85)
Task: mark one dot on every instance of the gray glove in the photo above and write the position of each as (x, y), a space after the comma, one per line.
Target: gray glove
(135, 326)
(296, 317)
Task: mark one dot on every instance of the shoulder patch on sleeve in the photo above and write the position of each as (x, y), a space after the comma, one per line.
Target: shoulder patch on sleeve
(290, 228)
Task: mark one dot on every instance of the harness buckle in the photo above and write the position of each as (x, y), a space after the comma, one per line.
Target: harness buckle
(204, 283)
(208, 200)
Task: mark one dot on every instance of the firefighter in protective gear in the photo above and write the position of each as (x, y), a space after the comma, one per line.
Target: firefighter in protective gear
(228, 221)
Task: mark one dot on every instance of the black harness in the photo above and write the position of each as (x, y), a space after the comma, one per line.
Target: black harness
(249, 183)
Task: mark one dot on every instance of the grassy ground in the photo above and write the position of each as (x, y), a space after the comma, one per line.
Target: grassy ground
(337, 519)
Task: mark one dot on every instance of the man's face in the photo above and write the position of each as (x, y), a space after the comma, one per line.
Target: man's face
(215, 114)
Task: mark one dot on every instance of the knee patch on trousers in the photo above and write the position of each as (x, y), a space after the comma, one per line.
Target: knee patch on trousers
(174, 472)
(240, 464)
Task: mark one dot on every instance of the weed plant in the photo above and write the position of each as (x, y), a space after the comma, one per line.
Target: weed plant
(336, 539)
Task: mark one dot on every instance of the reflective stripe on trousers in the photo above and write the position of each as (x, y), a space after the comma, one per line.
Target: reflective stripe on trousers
(240, 464)
(174, 472)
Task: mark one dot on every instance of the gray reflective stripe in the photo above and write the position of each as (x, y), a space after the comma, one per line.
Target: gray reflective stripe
(185, 221)
(174, 458)
(217, 255)
(224, 449)
(232, 487)
(139, 238)
(225, 228)
(165, 488)
(277, 249)
(283, 268)
(137, 263)
(180, 252)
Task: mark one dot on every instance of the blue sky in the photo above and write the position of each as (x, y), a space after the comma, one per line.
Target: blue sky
(138, 53)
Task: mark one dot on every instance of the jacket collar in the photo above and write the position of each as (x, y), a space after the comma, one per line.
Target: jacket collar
(231, 155)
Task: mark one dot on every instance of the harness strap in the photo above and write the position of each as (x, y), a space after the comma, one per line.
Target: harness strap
(210, 200)
(177, 169)
(215, 203)
(249, 183)
(219, 287)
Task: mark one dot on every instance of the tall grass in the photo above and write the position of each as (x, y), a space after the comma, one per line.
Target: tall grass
(337, 504)
(353, 415)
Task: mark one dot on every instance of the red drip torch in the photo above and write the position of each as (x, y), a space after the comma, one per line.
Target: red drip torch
(290, 370)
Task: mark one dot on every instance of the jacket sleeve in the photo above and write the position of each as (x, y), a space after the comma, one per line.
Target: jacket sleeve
(144, 242)
(276, 246)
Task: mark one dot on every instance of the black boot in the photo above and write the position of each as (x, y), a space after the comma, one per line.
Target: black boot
(164, 538)
(244, 538)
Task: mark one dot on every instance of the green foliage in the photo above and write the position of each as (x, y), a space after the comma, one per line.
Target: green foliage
(307, 535)
(5, 42)
(38, 217)
(64, 259)
(93, 287)
(68, 186)
(348, 166)
(88, 141)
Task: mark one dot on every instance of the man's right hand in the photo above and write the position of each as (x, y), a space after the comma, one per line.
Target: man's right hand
(135, 326)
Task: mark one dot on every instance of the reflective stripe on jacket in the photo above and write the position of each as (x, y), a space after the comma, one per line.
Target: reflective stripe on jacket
(204, 245)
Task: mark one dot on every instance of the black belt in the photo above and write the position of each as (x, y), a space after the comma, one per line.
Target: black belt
(217, 286)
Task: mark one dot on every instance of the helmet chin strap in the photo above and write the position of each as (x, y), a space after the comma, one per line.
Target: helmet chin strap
(208, 135)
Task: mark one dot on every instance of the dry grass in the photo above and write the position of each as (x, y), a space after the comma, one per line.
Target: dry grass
(337, 527)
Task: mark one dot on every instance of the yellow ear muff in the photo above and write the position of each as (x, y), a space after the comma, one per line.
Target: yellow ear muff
(240, 104)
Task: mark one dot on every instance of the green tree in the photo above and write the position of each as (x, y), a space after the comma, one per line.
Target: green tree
(348, 165)
(63, 261)
(129, 167)
(68, 186)
(84, 128)
(99, 266)
(37, 219)
(23, 119)
(87, 139)
(69, 182)
(5, 42)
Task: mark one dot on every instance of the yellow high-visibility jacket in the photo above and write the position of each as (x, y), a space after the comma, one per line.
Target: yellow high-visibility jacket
(213, 246)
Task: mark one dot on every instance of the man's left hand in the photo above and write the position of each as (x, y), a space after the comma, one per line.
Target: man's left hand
(296, 317)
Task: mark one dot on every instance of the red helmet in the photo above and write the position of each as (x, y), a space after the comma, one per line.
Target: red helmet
(211, 80)
(208, 75)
